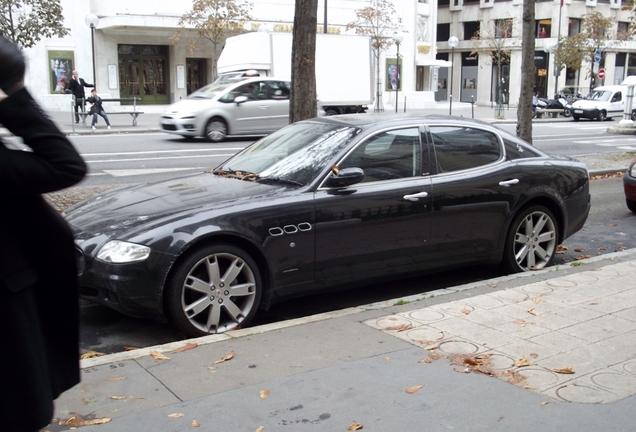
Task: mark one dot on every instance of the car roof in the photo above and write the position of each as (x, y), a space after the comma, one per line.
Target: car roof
(383, 120)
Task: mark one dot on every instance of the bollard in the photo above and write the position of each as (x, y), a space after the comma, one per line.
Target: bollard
(472, 105)
(405, 104)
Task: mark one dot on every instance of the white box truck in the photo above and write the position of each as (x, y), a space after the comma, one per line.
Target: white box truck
(344, 81)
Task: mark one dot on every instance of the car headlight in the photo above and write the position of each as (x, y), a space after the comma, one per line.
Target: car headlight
(119, 252)
(632, 170)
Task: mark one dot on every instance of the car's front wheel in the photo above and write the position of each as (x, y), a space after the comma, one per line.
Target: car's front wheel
(212, 290)
(601, 116)
(216, 130)
(531, 242)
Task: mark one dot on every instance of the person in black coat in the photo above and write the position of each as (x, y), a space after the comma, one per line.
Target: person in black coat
(76, 87)
(39, 305)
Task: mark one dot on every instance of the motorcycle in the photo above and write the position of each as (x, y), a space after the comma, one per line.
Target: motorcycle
(559, 103)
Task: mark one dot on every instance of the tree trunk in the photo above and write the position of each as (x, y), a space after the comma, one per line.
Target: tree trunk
(302, 104)
(524, 111)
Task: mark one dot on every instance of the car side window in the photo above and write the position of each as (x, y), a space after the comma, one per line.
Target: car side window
(388, 155)
(280, 89)
(459, 148)
(617, 97)
(515, 150)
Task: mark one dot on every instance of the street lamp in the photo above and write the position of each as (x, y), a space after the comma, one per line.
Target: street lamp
(397, 38)
(91, 20)
(452, 42)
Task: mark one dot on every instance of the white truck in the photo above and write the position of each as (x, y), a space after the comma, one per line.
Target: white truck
(344, 81)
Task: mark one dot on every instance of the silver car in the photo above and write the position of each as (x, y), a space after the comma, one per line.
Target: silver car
(253, 106)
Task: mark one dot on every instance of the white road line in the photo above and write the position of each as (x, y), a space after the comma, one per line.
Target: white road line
(164, 151)
(157, 159)
(143, 171)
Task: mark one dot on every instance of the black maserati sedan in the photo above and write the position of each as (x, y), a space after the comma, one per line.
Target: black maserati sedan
(323, 204)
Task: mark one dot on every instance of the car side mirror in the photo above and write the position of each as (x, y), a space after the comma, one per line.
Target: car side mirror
(345, 177)
(240, 99)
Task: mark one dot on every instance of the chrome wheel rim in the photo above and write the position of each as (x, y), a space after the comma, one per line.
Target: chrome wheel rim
(216, 130)
(218, 293)
(535, 241)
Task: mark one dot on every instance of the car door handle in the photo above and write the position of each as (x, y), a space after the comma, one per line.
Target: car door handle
(508, 183)
(415, 197)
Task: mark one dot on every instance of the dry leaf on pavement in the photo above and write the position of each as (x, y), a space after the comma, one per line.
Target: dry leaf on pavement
(399, 328)
(355, 426)
(260, 429)
(264, 394)
(522, 323)
(431, 347)
(158, 356)
(195, 423)
(425, 360)
(230, 356)
(532, 312)
(175, 415)
(117, 378)
(91, 354)
(544, 403)
(565, 370)
(522, 362)
(536, 300)
(186, 347)
(414, 389)
(130, 348)
(466, 310)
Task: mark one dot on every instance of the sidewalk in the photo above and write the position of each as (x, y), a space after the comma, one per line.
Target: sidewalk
(549, 350)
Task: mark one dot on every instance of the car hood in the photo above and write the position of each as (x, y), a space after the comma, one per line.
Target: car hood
(185, 106)
(123, 211)
(584, 103)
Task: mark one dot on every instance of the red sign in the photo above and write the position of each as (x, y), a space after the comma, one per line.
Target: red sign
(601, 73)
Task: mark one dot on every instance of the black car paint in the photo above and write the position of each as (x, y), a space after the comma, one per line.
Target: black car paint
(312, 237)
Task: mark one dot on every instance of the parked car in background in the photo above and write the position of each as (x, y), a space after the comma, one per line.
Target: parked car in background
(242, 106)
(321, 204)
(629, 185)
(601, 103)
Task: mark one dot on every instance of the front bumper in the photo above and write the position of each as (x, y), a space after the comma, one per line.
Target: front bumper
(585, 112)
(179, 125)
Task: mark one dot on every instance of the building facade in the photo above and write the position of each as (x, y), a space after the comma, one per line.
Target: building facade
(135, 55)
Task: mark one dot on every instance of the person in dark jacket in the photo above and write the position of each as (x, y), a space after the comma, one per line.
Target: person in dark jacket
(96, 108)
(76, 86)
(39, 309)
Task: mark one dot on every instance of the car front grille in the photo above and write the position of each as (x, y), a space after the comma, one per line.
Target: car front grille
(169, 127)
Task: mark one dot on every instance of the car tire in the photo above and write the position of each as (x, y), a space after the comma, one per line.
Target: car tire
(567, 112)
(331, 111)
(631, 205)
(216, 130)
(601, 116)
(633, 115)
(532, 240)
(576, 118)
(214, 289)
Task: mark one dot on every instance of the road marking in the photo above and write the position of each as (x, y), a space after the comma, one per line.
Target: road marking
(158, 159)
(144, 171)
(164, 151)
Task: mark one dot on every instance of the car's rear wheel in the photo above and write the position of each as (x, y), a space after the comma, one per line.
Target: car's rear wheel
(216, 129)
(531, 242)
(631, 205)
(601, 116)
(214, 289)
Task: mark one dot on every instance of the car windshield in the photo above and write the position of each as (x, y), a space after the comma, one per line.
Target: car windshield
(295, 154)
(210, 91)
(599, 95)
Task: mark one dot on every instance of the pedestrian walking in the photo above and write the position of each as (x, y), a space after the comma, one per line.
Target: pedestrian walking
(97, 109)
(76, 86)
(39, 310)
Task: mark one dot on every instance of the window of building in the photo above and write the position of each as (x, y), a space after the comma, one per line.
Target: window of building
(503, 28)
(623, 27)
(470, 28)
(443, 3)
(443, 32)
(461, 148)
(543, 28)
(574, 26)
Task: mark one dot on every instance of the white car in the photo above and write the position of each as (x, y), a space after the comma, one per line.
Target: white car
(253, 106)
(602, 103)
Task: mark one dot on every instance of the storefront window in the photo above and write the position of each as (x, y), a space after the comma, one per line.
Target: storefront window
(61, 69)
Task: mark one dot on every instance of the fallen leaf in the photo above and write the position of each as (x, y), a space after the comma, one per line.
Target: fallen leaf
(264, 394)
(582, 257)
(212, 367)
(565, 370)
(602, 248)
(425, 360)
(544, 403)
(186, 347)
(431, 347)
(522, 323)
(537, 300)
(355, 426)
(91, 354)
(130, 348)
(399, 328)
(561, 249)
(97, 421)
(89, 401)
(175, 415)
(125, 397)
(195, 423)
(414, 389)
(465, 370)
(466, 310)
(116, 378)
(612, 225)
(532, 312)
(158, 356)
(230, 356)
(387, 358)
(522, 362)
(534, 355)
(579, 250)
(260, 429)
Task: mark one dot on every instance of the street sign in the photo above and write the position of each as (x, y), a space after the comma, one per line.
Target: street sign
(601, 73)
(597, 56)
